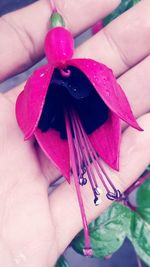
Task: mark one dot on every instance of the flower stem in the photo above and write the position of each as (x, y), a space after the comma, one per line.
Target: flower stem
(139, 261)
(138, 183)
(127, 203)
(53, 7)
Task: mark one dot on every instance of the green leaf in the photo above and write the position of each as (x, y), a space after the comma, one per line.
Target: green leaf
(107, 232)
(135, 1)
(62, 262)
(148, 168)
(143, 201)
(139, 235)
(124, 6)
(144, 213)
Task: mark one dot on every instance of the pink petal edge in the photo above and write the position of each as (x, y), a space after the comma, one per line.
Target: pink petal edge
(30, 102)
(107, 87)
(56, 149)
(106, 140)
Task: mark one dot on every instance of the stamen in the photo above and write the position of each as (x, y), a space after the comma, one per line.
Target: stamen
(85, 160)
(116, 194)
(85, 157)
(89, 154)
(87, 250)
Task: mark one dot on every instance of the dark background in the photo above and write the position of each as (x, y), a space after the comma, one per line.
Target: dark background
(11, 5)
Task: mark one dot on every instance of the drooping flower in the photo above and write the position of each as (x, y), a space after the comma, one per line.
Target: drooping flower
(73, 109)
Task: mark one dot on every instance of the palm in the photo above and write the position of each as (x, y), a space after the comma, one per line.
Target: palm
(36, 228)
(27, 229)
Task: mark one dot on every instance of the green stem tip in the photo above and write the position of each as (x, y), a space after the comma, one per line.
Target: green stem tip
(56, 20)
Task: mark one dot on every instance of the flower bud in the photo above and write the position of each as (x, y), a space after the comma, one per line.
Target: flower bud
(59, 46)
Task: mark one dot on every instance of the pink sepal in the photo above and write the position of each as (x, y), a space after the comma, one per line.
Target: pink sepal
(30, 102)
(107, 87)
(59, 46)
(106, 140)
(56, 149)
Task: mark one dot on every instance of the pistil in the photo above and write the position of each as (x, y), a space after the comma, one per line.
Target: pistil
(87, 250)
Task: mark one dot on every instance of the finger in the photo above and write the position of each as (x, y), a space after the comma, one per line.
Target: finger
(124, 42)
(135, 156)
(14, 92)
(135, 83)
(7, 119)
(49, 170)
(22, 32)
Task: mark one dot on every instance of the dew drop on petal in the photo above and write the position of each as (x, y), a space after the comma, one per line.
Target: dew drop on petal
(20, 259)
(107, 92)
(42, 74)
(126, 115)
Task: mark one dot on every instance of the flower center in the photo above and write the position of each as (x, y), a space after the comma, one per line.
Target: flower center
(64, 91)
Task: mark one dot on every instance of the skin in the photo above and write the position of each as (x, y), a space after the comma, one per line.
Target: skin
(35, 227)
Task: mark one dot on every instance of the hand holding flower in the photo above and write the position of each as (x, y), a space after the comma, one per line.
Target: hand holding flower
(43, 235)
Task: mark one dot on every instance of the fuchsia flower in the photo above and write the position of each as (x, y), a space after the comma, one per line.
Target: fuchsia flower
(73, 109)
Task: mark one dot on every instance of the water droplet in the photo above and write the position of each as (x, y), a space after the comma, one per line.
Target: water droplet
(126, 115)
(20, 259)
(107, 92)
(42, 74)
(95, 78)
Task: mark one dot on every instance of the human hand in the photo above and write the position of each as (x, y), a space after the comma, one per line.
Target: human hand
(35, 228)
